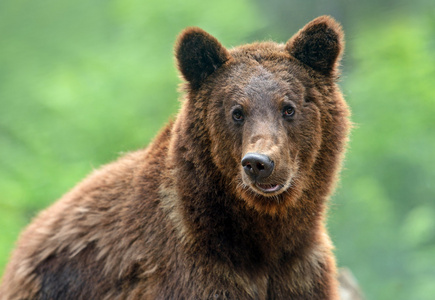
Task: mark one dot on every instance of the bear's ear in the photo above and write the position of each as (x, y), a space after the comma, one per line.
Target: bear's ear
(318, 45)
(198, 55)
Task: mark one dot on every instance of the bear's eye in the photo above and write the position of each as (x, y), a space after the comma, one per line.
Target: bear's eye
(238, 115)
(288, 111)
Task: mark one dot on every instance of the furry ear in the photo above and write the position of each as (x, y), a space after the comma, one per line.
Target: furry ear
(318, 45)
(198, 55)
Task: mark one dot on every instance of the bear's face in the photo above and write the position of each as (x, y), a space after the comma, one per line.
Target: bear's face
(260, 116)
(263, 107)
(264, 133)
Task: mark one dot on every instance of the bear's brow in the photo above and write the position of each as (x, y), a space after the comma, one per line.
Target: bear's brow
(262, 84)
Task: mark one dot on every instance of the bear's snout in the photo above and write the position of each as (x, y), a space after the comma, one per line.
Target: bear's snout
(257, 166)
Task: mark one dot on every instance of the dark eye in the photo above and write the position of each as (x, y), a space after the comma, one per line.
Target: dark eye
(288, 111)
(238, 115)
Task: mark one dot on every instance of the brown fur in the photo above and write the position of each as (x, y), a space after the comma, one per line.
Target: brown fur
(182, 219)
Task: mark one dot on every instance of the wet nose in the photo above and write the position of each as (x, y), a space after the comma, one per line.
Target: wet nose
(257, 166)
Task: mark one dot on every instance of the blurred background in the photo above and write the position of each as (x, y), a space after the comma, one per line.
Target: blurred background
(83, 81)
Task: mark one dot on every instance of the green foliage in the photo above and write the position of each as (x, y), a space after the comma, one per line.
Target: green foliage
(82, 81)
(383, 220)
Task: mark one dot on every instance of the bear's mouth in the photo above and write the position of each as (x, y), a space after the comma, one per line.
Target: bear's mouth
(268, 188)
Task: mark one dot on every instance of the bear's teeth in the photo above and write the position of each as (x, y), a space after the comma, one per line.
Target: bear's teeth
(269, 187)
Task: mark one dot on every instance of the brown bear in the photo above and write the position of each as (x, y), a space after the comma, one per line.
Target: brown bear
(228, 201)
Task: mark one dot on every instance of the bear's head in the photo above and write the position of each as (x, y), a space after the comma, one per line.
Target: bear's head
(268, 116)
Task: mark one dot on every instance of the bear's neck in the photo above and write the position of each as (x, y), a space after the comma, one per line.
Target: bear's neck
(226, 227)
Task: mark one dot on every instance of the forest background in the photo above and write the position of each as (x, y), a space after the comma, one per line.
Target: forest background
(83, 81)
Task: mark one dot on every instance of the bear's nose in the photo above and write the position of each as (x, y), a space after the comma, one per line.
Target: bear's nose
(257, 166)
